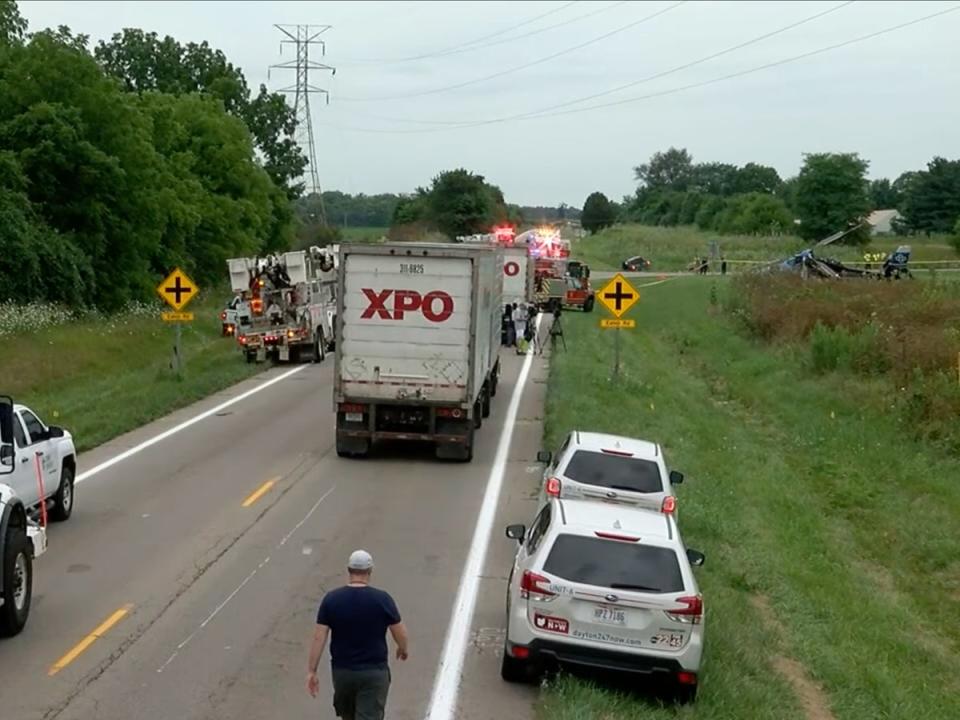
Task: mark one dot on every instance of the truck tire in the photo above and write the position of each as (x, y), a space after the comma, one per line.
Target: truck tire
(319, 347)
(485, 404)
(478, 413)
(251, 356)
(17, 583)
(588, 304)
(63, 500)
(495, 379)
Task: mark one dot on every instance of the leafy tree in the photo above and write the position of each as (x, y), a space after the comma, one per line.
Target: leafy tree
(710, 208)
(754, 214)
(144, 61)
(410, 209)
(670, 170)
(461, 203)
(12, 24)
(692, 202)
(753, 178)
(788, 193)
(931, 201)
(598, 213)
(883, 196)
(714, 178)
(832, 195)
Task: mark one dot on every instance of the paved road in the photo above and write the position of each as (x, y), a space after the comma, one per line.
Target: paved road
(206, 607)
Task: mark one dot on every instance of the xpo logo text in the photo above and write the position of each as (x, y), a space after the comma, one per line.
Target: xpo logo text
(435, 306)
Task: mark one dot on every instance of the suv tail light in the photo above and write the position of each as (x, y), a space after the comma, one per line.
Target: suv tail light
(532, 584)
(614, 536)
(669, 504)
(620, 453)
(687, 678)
(553, 487)
(692, 613)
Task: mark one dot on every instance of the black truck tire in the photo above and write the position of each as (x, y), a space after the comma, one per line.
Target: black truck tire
(17, 582)
(588, 304)
(319, 347)
(63, 500)
(485, 403)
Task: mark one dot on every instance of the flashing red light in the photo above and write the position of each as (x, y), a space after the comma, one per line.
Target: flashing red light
(669, 504)
(223, 315)
(553, 487)
(242, 339)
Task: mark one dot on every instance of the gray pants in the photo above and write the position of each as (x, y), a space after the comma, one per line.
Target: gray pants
(360, 694)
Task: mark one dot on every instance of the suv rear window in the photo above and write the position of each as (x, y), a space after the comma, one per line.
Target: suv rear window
(614, 471)
(612, 564)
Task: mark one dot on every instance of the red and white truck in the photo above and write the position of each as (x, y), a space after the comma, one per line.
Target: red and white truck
(418, 340)
(518, 272)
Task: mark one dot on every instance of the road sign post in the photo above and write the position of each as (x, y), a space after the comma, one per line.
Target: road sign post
(618, 296)
(177, 290)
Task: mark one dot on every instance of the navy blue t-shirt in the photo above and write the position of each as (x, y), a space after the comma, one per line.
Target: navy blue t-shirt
(358, 618)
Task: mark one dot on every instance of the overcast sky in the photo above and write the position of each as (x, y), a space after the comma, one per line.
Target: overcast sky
(895, 99)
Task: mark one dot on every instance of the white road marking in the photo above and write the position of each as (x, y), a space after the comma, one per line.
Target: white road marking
(248, 578)
(443, 701)
(183, 426)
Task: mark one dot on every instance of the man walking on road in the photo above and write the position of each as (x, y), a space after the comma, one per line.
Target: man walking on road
(357, 616)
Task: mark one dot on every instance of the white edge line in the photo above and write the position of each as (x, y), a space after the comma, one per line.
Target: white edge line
(183, 426)
(443, 701)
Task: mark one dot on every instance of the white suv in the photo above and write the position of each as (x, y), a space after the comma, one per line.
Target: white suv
(610, 468)
(604, 586)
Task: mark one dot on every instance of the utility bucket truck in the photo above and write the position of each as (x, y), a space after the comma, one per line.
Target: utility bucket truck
(288, 306)
(418, 329)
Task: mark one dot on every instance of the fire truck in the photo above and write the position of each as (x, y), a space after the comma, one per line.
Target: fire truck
(289, 306)
(563, 283)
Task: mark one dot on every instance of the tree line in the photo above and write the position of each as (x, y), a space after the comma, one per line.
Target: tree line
(830, 193)
(120, 162)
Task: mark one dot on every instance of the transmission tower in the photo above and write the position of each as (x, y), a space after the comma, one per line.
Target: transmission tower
(303, 36)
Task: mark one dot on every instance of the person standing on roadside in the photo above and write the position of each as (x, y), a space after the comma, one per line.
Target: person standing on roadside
(357, 617)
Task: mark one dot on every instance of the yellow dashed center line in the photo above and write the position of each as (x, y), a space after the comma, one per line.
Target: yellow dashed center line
(82, 646)
(260, 492)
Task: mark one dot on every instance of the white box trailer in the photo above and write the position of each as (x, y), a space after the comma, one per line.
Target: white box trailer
(517, 275)
(418, 340)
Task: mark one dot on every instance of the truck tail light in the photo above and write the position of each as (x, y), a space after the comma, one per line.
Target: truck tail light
(447, 412)
(242, 339)
(553, 487)
(223, 315)
(691, 612)
(532, 585)
(352, 408)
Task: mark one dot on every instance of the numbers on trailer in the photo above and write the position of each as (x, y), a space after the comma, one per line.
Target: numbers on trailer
(411, 269)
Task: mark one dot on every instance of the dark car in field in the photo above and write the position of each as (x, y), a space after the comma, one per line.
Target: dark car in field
(636, 263)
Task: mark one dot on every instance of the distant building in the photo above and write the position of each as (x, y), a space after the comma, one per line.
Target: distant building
(881, 221)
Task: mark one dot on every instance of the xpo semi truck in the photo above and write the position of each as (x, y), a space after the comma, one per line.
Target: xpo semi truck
(418, 337)
(518, 275)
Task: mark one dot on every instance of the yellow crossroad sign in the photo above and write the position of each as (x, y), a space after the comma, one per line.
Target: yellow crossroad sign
(177, 316)
(618, 295)
(618, 323)
(177, 290)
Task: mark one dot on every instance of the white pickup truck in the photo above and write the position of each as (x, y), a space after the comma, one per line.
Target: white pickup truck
(30, 454)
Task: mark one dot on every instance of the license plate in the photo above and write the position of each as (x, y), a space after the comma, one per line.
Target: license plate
(610, 616)
(354, 417)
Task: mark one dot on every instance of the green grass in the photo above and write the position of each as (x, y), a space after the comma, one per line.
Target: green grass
(672, 249)
(804, 494)
(363, 234)
(100, 378)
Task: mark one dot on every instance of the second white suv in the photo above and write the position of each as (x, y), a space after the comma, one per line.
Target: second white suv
(604, 586)
(612, 469)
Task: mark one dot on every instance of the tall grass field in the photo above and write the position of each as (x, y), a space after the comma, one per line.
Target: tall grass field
(831, 529)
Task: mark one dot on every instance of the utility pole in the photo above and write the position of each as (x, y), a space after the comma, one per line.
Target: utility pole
(303, 36)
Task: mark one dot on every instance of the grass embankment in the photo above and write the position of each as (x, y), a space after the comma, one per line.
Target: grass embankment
(100, 377)
(832, 581)
(672, 249)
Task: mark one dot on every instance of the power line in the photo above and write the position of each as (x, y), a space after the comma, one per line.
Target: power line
(462, 46)
(518, 68)
(682, 88)
(649, 78)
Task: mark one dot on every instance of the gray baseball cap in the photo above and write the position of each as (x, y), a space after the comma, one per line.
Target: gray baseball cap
(360, 560)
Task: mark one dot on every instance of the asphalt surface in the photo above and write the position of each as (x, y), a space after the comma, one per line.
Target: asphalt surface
(188, 605)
